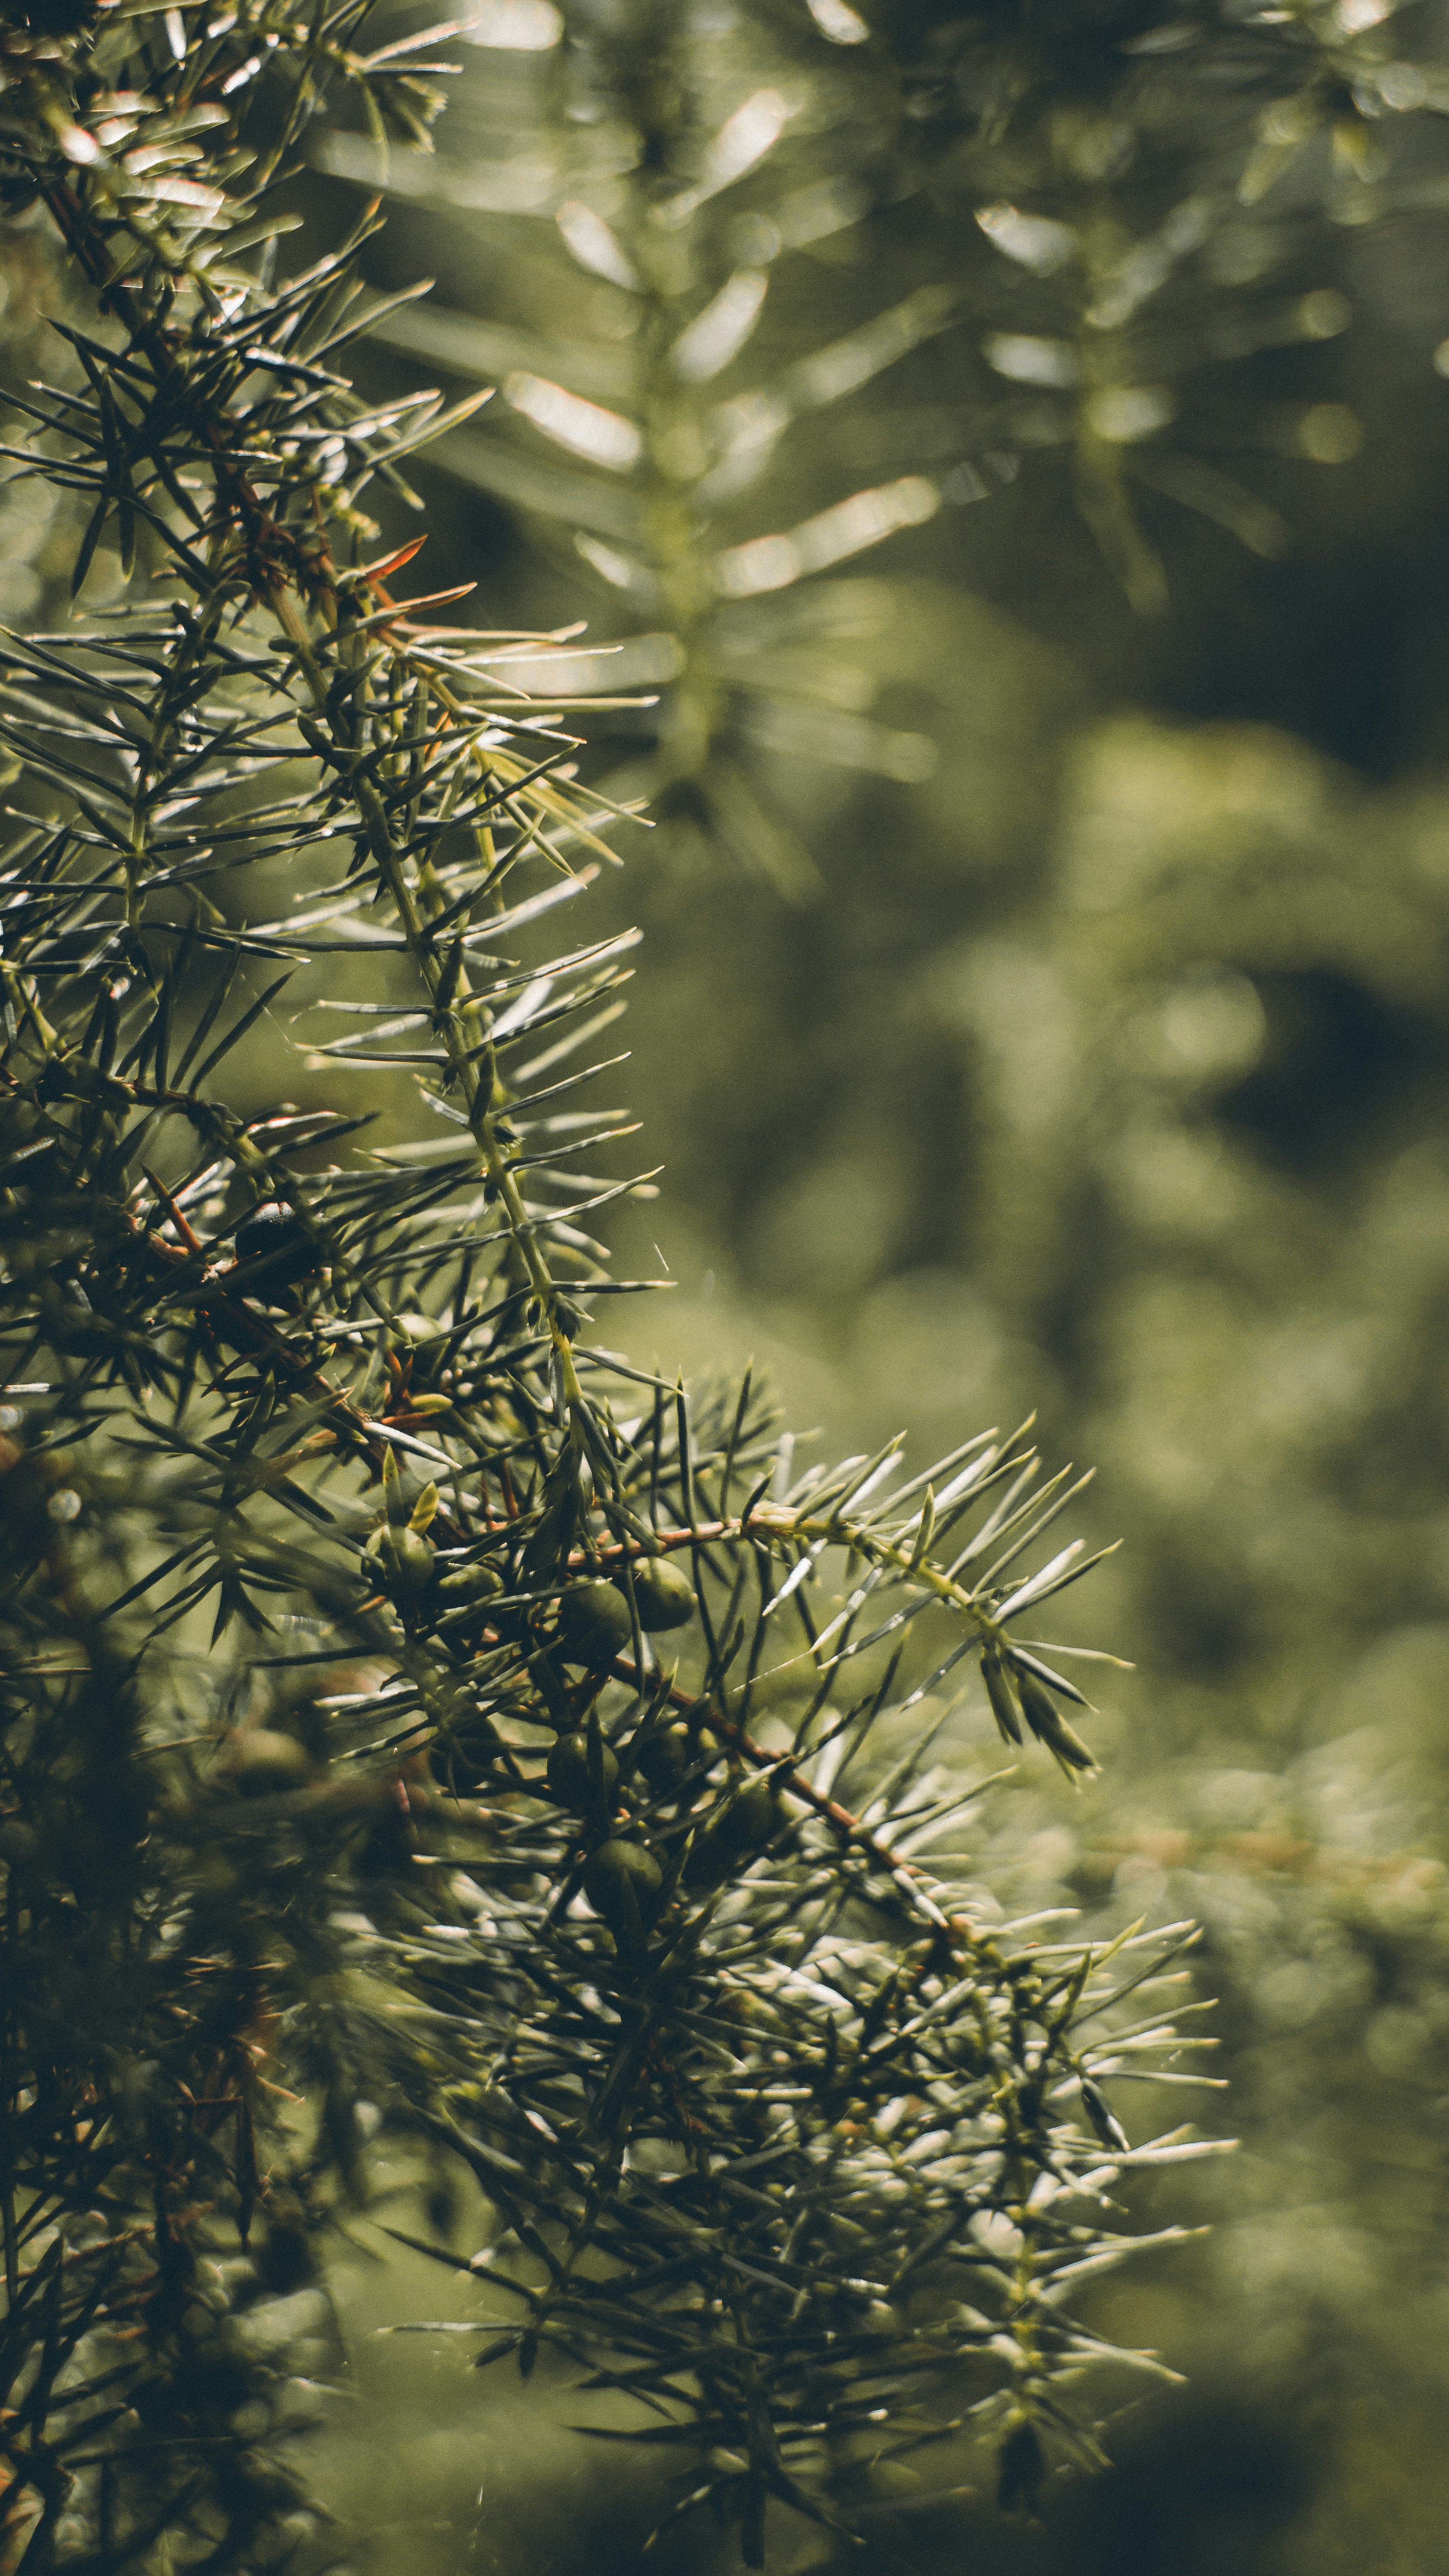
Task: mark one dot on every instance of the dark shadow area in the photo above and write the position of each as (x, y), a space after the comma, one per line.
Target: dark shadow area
(1334, 1058)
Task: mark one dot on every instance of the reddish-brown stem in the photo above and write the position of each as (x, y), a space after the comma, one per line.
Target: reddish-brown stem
(799, 1787)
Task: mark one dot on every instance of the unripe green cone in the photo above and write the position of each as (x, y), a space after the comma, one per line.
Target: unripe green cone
(594, 1624)
(406, 1560)
(671, 1751)
(263, 1765)
(472, 1582)
(734, 1835)
(614, 1867)
(664, 1593)
(464, 1758)
(570, 1778)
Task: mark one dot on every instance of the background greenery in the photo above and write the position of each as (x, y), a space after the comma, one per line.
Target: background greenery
(1047, 919)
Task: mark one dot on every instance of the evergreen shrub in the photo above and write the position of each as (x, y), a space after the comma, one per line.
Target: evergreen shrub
(416, 1715)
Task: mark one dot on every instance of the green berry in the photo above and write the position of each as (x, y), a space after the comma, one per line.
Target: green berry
(275, 1237)
(464, 1757)
(734, 1834)
(406, 1560)
(265, 1765)
(571, 1780)
(476, 1582)
(670, 1752)
(594, 1624)
(664, 1593)
(614, 1867)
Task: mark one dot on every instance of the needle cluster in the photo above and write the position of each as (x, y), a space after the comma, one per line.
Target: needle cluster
(412, 1706)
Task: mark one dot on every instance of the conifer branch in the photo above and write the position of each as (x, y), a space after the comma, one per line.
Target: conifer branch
(326, 1519)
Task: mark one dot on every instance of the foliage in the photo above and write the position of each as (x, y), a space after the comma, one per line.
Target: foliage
(1120, 1088)
(345, 1773)
(1115, 243)
(1194, 1201)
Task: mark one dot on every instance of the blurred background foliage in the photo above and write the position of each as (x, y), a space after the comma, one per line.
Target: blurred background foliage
(1002, 458)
